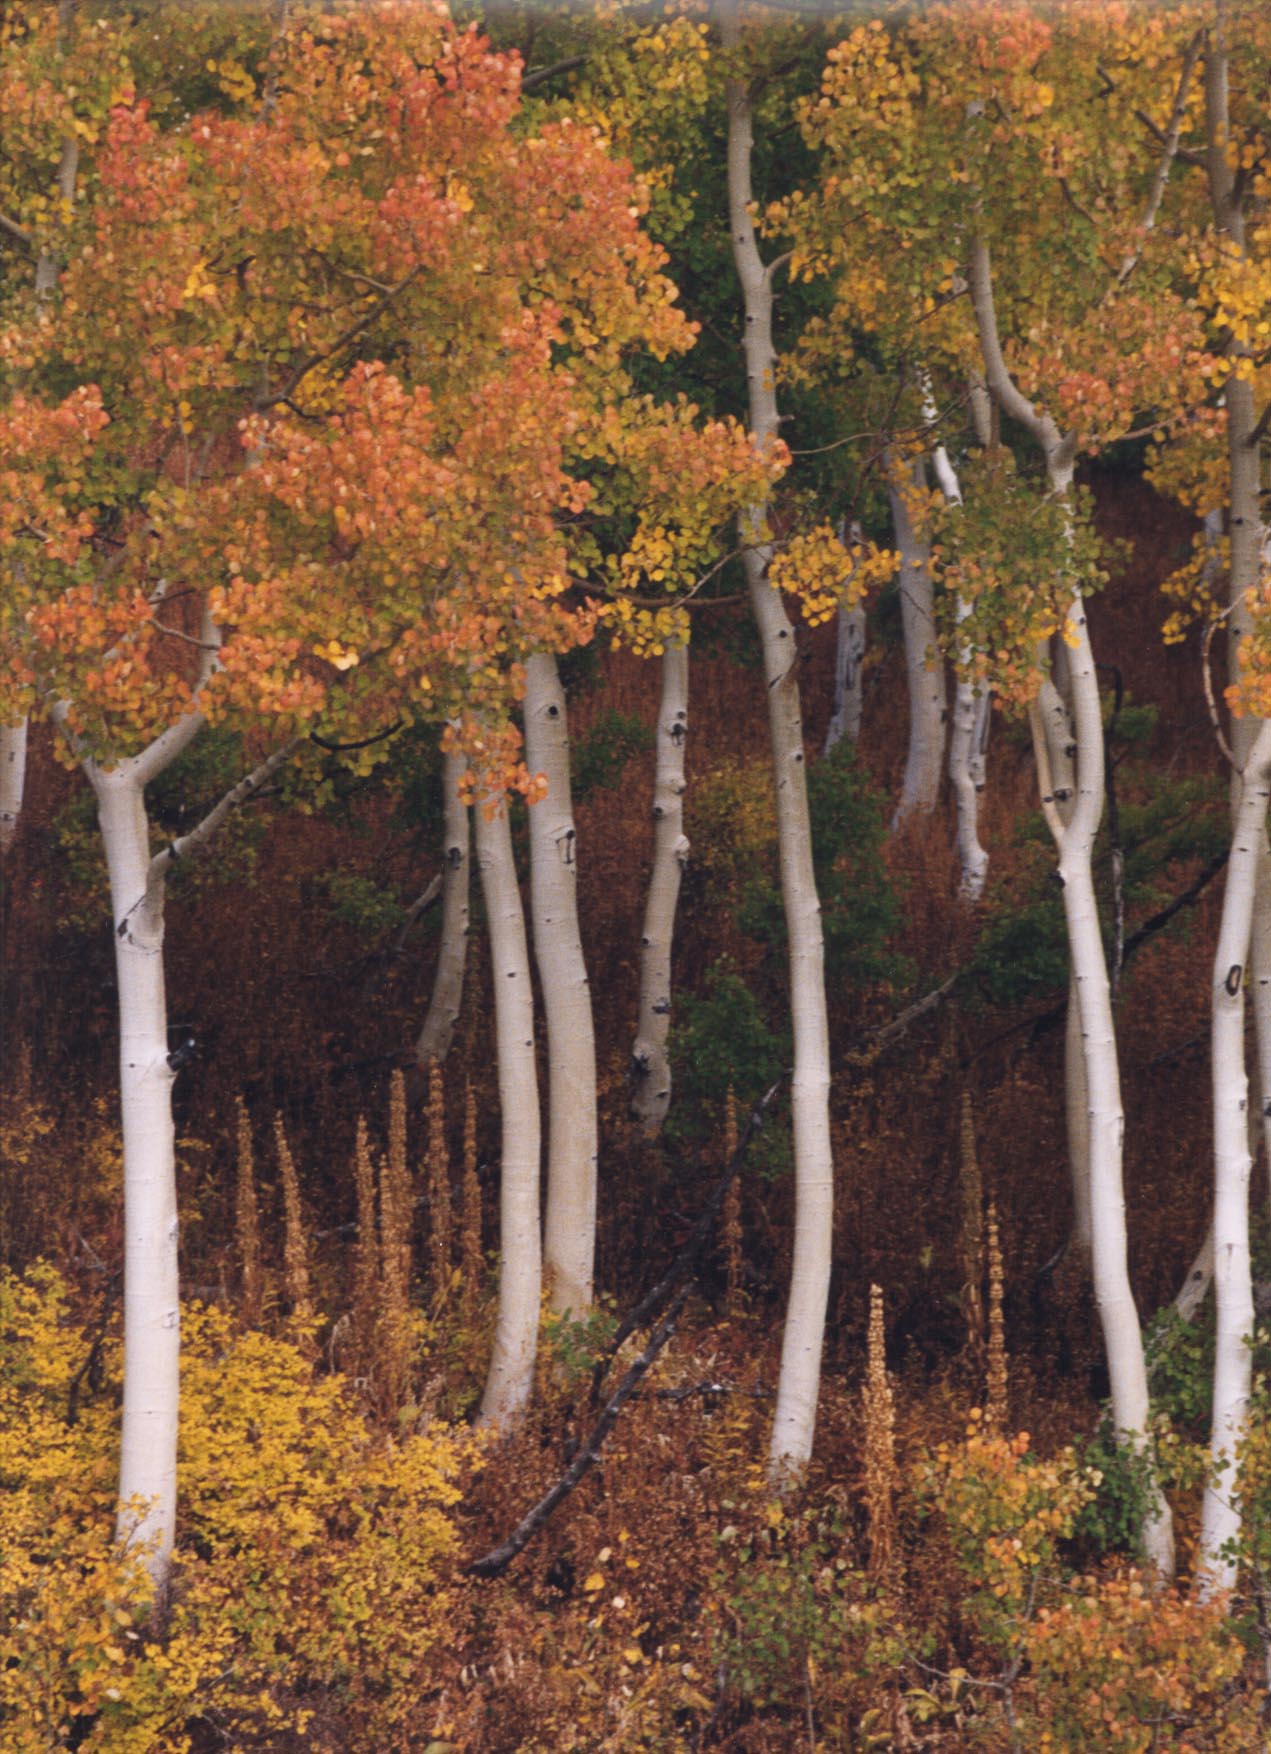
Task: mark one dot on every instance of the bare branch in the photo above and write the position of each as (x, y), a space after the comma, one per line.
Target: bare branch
(1169, 153)
(17, 232)
(193, 843)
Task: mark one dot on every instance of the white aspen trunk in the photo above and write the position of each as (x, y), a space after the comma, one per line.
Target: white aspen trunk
(650, 1067)
(849, 676)
(569, 1232)
(511, 1375)
(452, 955)
(1122, 1334)
(798, 1385)
(1233, 1286)
(924, 670)
(13, 740)
(968, 735)
(152, 1315)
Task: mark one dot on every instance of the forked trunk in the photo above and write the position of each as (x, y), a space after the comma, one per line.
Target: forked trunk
(798, 1385)
(511, 1375)
(650, 1067)
(452, 956)
(569, 1233)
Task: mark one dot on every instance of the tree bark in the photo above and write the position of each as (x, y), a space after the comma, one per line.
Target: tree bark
(1233, 1283)
(152, 1315)
(968, 737)
(799, 1381)
(13, 741)
(511, 1374)
(569, 1233)
(924, 668)
(452, 955)
(650, 1067)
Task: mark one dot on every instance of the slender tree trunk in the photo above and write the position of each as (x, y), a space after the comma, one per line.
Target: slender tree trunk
(849, 673)
(799, 1381)
(511, 1374)
(452, 956)
(924, 669)
(13, 739)
(968, 737)
(152, 1315)
(1233, 1285)
(650, 1067)
(569, 1233)
(1122, 1334)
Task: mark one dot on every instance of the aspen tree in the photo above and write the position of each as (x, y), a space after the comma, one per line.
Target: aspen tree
(511, 1374)
(651, 1067)
(799, 1381)
(569, 1237)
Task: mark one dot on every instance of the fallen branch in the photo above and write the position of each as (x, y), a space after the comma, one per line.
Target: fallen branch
(500, 1557)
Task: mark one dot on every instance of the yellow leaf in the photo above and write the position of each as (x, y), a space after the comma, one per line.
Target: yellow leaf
(594, 1582)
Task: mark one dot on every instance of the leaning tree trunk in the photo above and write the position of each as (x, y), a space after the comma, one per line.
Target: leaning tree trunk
(799, 1380)
(650, 1067)
(511, 1375)
(13, 740)
(924, 667)
(569, 1232)
(1122, 1334)
(447, 992)
(1233, 1283)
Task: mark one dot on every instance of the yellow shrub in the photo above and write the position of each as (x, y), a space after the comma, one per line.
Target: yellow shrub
(306, 1594)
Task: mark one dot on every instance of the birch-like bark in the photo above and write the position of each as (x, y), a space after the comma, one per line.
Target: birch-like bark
(138, 878)
(511, 1375)
(13, 739)
(1233, 1283)
(798, 1385)
(1123, 1338)
(569, 1231)
(968, 735)
(452, 955)
(924, 669)
(650, 1066)
(152, 1315)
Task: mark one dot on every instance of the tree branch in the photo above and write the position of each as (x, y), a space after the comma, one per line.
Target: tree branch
(17, 232)
(193, 843)
(500, 1557)
(1169, 152)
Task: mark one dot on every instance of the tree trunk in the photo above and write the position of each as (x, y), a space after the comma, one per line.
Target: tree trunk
(511, 1374)
(968, 738)
(924, 668)
(452, 955)
(569, 1233)
(1122, 1334)
(1233, 1285)
(650, 1067)
(13, 739)
(849, 674)
(152, 1314)
(799, 1381)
